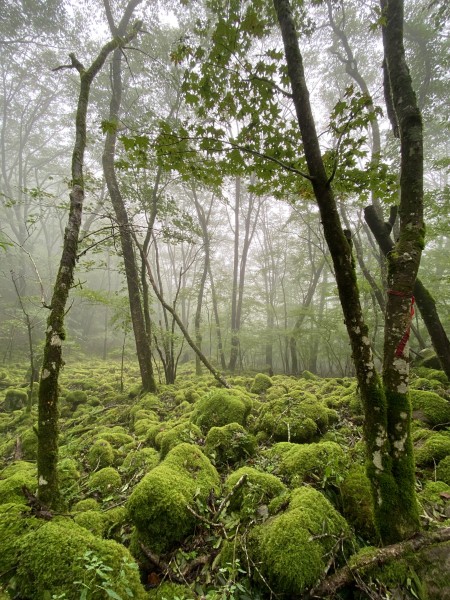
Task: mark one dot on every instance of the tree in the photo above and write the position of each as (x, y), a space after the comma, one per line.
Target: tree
(55, 333)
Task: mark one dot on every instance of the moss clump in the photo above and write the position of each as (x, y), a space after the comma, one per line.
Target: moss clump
(158, 503)
(15, 400)
(92, 520)
(294, 548)
(259, 489)
(297, 417)
(220, 408)
(15, 523)
(86, 504)
(118, 439)
(100, 455)
(357, 502)
(434, 499)
(169, 591)
(143, 460)
(58, 559)
(436, 374)
(11, 488)
(105, 482)
(29, 442)
(430, 408)
(443, 470)
(183, 432)
(309, 376)
(433, 449)
(229, 444)
(261, 383)
(141, 426)
(75, 398)
(320, 462)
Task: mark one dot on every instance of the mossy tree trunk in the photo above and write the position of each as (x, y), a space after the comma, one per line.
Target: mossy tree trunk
(47, 455)
(395, 509)
(142, 340)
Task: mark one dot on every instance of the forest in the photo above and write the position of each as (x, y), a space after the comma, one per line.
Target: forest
(224, 284)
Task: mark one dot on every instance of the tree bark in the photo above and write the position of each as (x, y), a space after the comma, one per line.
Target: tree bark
(47, 455)
(142, 341)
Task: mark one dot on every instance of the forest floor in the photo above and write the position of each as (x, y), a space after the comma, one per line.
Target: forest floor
(200, 492)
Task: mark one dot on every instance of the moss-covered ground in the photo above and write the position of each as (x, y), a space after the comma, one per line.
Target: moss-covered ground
(197, 492)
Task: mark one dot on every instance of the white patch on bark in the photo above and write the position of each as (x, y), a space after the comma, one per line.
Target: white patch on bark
(365, 340)
(42, 481)
(45, 374)
(403, 416)
(400, 365)
(357, 329)
(56, 340)
(402, 388)
(377, 460)
(399, 445)
(49, 329)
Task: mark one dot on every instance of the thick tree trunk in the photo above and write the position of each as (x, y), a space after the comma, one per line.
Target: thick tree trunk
(47, 456)
(143, 349)
(394, 500)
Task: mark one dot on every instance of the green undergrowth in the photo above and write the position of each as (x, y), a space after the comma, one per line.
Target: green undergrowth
(201, 492)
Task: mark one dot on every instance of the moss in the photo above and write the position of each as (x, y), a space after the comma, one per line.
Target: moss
(29, 443)
(15, 400)
(105, 481)
(260, 488)
(261, 384)
(229, 444)
(92, 520)
(319, 462)
(434, 499)
(308, 375)
(117, 439)
(75, 398)
(58, 560)
(430, 407)
(144, 460)
(436, 374)
(443, 470)
(293, 548)
(168, 591)
(142, 426)
(221, 407)
(433, 449)
(357, 505)
(15, 522)
(297, 417)
(100, 455)
(158, 503)
(184, 432)
(86, 504)
(11, 488)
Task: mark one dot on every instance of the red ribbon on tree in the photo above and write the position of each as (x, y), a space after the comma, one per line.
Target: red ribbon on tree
(401, 346)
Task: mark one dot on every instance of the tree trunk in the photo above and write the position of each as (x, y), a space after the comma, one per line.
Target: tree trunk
(47, 456)
(143, 349)
(394, 499)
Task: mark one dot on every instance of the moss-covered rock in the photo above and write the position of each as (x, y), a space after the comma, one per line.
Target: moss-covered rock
(15, 399)
(296, 417)
(434, 448)
(75, 398)
(221, 407)
(29, 444)
(357, 502)
(61, 559)
(183, 432)
(261, 383)
(314, 463)
(430, 408)
(100, 455)
(293, 548)
(435, 500)
(86, 504)
(105, 482)
(259, 489)
(144, 459)
(168, 591)
(443, 470)
(93, 520)
(11, 487)
(229, 444)
(157, 505)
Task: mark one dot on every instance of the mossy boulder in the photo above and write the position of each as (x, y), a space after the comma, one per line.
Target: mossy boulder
(75, 398)
(261, 383)
(105, 482)
(430, 408)
(93, 520)
(434, 448)
(229, 444)
(15, 399)
(144, 459)
(157, 505)
(29, 444)
(357, 505)
(258, 490)
(443, 470)
(11, 487)
(86, 504)
(293, 548)
(100, 455)
(317, 462)
(296, 417)
(183, 432)
(61, 559)
(221, 407)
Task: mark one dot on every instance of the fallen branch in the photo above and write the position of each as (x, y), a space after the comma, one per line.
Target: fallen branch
(345, 576)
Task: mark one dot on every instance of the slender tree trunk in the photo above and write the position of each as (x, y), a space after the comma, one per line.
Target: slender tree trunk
(143, 349)
(391, 472)
(234, 292)
(47, 456)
